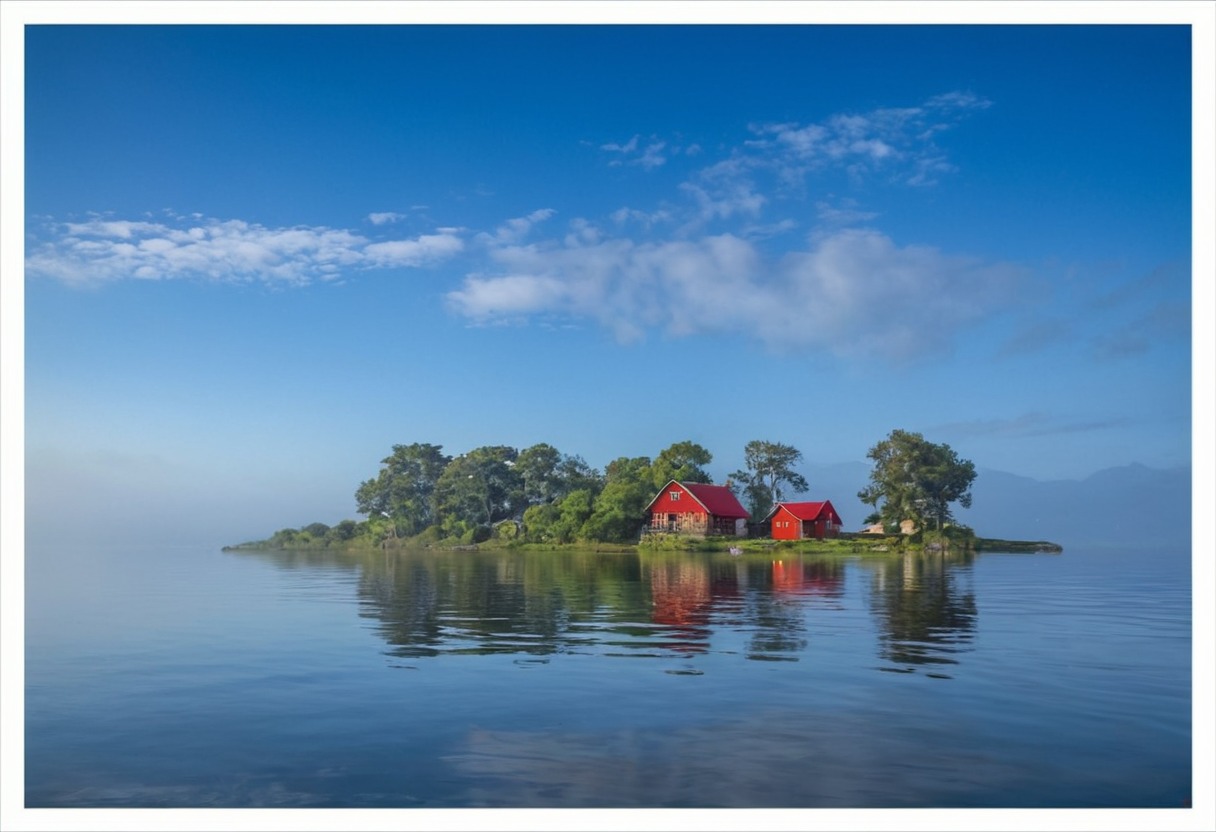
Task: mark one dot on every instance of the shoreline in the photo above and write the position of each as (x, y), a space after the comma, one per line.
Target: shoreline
(847, 545)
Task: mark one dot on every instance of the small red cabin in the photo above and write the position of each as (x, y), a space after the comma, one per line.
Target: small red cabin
(794, 521)
(698, 509)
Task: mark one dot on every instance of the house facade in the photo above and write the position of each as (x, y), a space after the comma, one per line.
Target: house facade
(696, 508)
(795, 521)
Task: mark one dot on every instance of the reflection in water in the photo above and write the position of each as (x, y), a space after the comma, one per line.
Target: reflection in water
(688, 595)
(780, 613)
(428, 603)
(771, 758)
(657, 605)
(926, 610)
(570, 678)
(824, 578)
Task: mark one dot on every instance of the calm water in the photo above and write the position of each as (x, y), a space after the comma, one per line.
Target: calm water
(198, 678)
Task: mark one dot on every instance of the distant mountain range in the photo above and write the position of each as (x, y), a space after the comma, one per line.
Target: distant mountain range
(1131, 505)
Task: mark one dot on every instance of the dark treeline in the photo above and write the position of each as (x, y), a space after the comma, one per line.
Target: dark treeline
(541, 495)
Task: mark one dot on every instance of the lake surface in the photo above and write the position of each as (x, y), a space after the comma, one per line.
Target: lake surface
(201, 678)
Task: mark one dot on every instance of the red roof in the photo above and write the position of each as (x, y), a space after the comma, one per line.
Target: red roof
(805, 511)
(719, 500)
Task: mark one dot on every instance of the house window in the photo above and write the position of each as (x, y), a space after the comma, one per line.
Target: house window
(674, 495)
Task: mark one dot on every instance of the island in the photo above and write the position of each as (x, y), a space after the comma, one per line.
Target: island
(539, 498)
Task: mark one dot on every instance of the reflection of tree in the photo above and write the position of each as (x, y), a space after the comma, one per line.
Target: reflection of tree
(430, 603)
(778, 612)
(496, 602)
(925, 617)
(405, 598)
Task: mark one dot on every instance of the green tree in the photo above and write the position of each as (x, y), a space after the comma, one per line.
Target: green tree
(560, 522)
(683, 462)
(539, 521)
(621, 506)
(342, 531)
(549, 476)
(285, 538)
(404, 490)
(316, 529)
(577, 475)
(916, 480)
(538, 468)
(480, 488)
(769, 468)
(573, 512)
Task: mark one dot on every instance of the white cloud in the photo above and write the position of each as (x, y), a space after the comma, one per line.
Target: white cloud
(514, 230)
(429, 248)
(629, 147)
(383, 217)
(646, 219)
(854, 293)
(652, 156)
(649, 157)
(845, 212)
(893, 139)
(724, 201)
(222, 250)
(850, 292)
(484, 300)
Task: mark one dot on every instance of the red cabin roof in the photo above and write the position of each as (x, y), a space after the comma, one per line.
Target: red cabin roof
(718, 500)
(805, 511)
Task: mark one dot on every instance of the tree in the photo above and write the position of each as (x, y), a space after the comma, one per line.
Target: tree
(683, 462)
(539, 521)
(480, 488)
(769, 467)
(549, 476)
(621, 506)
(574, 511)
(404, 490)
(916, 480)
(538, 468)
(577, 475)
(343, 531)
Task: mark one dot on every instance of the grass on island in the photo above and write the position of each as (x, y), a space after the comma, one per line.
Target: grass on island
(952, 539)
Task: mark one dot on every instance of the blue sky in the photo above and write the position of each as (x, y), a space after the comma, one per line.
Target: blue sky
(258, 257)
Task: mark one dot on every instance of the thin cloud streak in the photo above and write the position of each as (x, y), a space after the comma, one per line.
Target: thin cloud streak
(895, 140)
(1032, 424)
(104, 250)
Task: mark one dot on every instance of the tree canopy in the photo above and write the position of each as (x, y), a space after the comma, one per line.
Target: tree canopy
(769, 467)
(684, 462)
(404, 490)
(547, 496)
(621, 505)
(916, 480)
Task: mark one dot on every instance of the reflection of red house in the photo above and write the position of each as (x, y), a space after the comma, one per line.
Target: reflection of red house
(794, 521)
(698, 509)
(798, 578)
(680, 593)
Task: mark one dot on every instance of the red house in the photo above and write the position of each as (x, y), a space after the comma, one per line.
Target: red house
(698, 509)
(794, 521)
